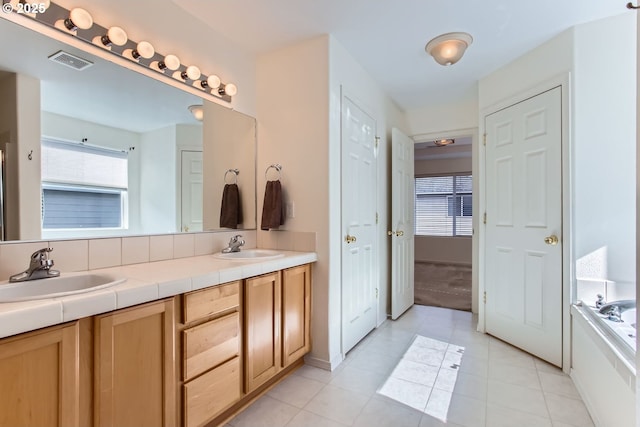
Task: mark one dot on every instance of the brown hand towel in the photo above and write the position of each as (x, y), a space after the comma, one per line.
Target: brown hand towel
(230, 209)
(273, 208)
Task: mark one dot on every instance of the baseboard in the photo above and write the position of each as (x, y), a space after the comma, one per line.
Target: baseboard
(461, 264)
(322, 363)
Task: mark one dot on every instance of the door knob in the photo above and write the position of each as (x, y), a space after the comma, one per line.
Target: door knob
(551, 240)
(399, 233)
(391, 233)
(350, 239)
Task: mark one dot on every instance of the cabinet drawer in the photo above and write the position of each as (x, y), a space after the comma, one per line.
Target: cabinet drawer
(207, 396)
(210, 301)
(210, 344)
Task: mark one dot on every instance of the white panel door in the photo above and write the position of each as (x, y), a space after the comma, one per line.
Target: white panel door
(524, 225)
(402, 223)
(191, 190)
(359, 183)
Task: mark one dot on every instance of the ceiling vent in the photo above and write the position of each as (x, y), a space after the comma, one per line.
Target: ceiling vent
(71, 61)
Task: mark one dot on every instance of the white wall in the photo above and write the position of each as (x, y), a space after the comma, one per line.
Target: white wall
(158, 181)
(300, 128)
(347, 77)
(600, 58)
(446, 116)
(604, 126)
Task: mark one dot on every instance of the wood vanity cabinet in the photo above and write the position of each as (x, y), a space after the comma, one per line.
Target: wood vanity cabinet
(134, 366)
(277, 319)
(296, 313)
(40, 378)
(211, 352)
(262, 301)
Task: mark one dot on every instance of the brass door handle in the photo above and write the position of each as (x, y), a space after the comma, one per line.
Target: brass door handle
(391, 233)
(398, 233)
(551, 240)
(350, 239)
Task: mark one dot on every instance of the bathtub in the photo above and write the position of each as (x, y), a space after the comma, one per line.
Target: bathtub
(603, 365)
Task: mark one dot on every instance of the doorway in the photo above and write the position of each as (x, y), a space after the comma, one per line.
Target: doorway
(444, 220)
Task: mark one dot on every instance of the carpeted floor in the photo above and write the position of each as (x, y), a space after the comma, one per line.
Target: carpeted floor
(443, 285)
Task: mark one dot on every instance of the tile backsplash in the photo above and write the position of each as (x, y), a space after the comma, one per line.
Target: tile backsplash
(88, 254)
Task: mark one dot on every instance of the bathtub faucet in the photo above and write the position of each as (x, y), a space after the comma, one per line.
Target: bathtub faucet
(614, 309)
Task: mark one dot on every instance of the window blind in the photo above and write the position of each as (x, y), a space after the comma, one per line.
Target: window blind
(73, 163)
(83, 186)
(443, 205)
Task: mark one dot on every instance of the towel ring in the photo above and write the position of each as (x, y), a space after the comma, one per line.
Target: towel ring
(235, 173)
(276, 166)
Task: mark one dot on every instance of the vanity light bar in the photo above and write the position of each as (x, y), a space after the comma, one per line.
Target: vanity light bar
(115, 40)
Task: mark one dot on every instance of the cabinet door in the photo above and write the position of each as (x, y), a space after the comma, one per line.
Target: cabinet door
(135, 366)
(296, 311)
(39, 378)
(262, 323)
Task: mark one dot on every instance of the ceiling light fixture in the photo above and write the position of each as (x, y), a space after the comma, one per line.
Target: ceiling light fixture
(116, 41)
(197, 111)
(443, 142)
(447, 49)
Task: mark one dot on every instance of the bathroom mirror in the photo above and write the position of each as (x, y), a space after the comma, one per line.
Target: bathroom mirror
(66, 127)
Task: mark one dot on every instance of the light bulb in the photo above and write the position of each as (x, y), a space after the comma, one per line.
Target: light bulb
(170, 62)
(192, 73)
(228, 89)
(115, 35)
(212, 82)
(144, 50)
(78, 18)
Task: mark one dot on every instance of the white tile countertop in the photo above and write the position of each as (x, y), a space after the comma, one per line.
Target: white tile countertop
(145, 282)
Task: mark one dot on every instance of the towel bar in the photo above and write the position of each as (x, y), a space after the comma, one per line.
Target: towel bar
(276, 166)
(235, 173)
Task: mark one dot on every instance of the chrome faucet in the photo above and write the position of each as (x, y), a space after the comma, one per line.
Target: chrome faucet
(234, 244)
(614, 309)
(39, 267)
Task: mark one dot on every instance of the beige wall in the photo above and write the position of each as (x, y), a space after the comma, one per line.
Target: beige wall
(300, 129)
(229, 142)
(293, 130)
(443, 166)
(455, 250)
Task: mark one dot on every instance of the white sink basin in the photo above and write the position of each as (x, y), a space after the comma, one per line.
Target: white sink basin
(56, 286)
(250, 255)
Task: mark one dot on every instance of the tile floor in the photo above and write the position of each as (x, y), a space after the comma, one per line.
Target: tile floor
(429, 368)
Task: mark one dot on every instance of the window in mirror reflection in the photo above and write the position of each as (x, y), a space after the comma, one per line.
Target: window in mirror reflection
(83, 187)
